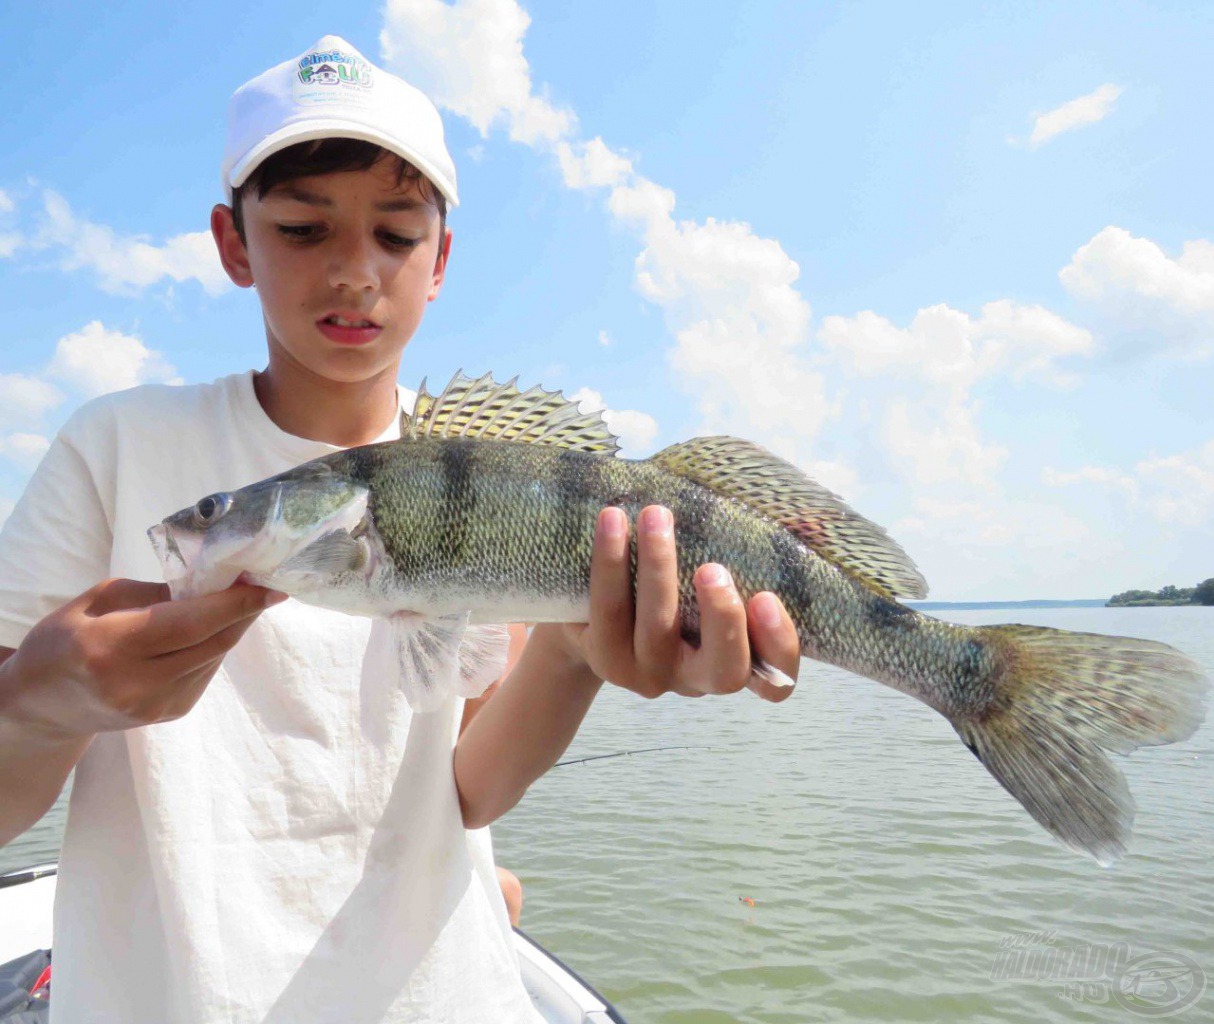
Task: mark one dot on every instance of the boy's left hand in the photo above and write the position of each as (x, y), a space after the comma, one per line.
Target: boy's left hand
(641, 648)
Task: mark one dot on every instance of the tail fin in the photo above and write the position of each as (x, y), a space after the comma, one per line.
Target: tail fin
(1061, 701)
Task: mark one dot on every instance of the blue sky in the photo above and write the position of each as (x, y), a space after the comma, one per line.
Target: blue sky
(954, 260)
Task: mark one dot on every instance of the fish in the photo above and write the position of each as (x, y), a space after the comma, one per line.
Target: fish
(484, 512)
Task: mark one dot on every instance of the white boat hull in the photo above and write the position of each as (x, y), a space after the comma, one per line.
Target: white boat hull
(558, 993)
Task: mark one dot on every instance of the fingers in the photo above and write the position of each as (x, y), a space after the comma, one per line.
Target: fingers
(777, 647)
(611, 613)
(722, 664)
(117, 595)
(637, 642)
(212, 648)
(178, 625)
(656, 640)
(123, 655)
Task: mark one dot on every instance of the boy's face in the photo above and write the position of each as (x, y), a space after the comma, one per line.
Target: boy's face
(344, 265)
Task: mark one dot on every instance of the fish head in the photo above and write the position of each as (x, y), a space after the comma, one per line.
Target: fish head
(250, 534)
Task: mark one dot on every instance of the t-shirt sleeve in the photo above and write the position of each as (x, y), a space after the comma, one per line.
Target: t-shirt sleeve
(56, 543)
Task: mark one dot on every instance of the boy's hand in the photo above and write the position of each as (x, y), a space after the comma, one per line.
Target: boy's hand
(123, 655)
(642, 649)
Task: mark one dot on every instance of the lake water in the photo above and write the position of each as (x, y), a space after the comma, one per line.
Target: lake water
(892, 879)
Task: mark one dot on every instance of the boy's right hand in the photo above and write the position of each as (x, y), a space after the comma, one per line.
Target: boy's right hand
(123, 655)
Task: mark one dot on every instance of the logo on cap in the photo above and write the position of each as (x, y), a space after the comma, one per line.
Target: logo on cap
(332, 70)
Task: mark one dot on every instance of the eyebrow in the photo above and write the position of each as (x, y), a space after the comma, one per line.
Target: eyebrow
(300, 195)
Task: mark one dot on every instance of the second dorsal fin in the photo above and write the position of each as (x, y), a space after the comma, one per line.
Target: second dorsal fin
(485, 409)
(819, 519)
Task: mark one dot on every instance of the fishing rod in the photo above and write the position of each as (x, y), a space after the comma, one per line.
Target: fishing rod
(625, 753)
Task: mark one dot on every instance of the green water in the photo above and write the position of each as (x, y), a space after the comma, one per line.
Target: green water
(886, 865)
(891, 875)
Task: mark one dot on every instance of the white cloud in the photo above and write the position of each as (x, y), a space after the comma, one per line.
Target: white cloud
(740, 325)
(963, 546)
(1028, 339)
(1117, 264)
(6, 509)
(1093, 107)
(932, 445)
(24, 449)
(926, 427)
(946, 346)
(24, 398)
(6, 202)
(125, 264)
(96, 361)
(1176, 489)
(605, 339)
(1101, 475)
(592, 164)
(636, 430)
(468, 57)
(717, 270)
(1180, 488)
(644, 202)
(973, 520)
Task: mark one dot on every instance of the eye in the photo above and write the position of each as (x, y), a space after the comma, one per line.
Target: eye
(211, 509)
(299, 232)
(395, 241)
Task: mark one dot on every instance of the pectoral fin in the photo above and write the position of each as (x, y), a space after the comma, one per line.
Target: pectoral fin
(482, 658)
(445, 657)
(333, 553)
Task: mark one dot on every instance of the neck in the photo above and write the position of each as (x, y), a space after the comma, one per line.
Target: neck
(336, 412)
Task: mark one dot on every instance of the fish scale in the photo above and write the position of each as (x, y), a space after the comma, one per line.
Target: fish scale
(485, 511)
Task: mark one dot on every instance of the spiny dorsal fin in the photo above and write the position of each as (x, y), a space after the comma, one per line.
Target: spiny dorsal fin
(819, 519)
(485, 409)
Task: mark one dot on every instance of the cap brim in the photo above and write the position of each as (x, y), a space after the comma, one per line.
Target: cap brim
(335, 128)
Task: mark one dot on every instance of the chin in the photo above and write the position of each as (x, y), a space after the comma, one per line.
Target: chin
(343, 372)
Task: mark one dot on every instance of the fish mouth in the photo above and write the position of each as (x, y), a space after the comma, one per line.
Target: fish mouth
(173, 561)
(165, 546)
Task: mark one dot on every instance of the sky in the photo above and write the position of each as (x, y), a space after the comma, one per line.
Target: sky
(955, 261)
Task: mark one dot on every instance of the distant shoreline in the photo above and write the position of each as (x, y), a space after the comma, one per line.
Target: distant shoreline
(1084, 602)
(1153, 604)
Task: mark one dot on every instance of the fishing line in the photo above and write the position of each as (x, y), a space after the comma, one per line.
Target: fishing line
(625, 753)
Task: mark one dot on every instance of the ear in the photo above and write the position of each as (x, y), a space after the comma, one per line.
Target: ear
(232, 252)
(440, 266)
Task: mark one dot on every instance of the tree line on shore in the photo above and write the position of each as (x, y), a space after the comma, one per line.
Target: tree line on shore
(1203, 593)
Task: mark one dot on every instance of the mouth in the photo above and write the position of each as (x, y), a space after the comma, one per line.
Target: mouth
(174, 562)
(166, 546)
(348, 328)
(344, 321)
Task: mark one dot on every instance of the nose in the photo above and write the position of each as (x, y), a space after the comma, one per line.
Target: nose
(352, 264)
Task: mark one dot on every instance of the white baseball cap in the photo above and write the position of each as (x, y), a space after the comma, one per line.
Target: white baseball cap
(332, 91)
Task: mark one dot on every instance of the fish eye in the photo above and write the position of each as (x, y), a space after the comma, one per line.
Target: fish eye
(211, 509)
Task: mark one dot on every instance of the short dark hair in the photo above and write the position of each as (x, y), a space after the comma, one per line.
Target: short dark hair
(327, 156)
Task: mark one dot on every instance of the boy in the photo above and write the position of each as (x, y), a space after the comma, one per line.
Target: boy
(299, 847)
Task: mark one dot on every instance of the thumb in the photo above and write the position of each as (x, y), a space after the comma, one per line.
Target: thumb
(120, 594)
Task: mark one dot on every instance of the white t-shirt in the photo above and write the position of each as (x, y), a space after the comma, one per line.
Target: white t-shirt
(289, 852)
